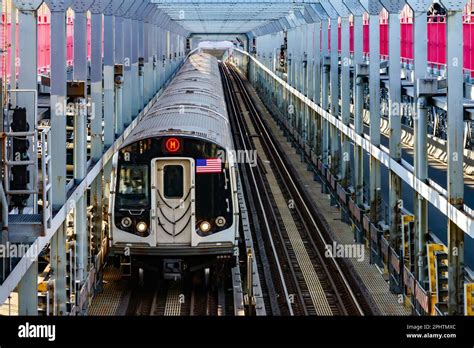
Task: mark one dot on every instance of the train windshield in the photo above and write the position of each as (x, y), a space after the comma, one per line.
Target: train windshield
(173, 181)
(133, 185)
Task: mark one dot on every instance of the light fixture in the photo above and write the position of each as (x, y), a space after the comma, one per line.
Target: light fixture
(205, 226)
(142, 227)
(126, 222)
(220, 221)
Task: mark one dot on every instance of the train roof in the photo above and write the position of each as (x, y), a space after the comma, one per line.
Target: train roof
(193, 103)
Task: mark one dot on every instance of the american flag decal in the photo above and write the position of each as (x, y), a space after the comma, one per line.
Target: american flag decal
(209, 165)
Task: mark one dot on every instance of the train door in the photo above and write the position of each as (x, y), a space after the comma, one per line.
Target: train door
(173, 200)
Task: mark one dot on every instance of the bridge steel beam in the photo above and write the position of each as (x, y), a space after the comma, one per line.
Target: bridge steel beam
(345, 89)
(162, 53)
(58, 93)
(317, 80)
(13, 60)
(394, 7)
(97, 117)
(374, 8)
(359, 85)
(140, 17)
(148, 53)
(130, 83)
(325, 70)
(308, 82)
(80, 8)
(334, 85)
(454, 59)
(108, 72)
(121, 91)
(27, 79)
(155, 50)
(110, 112)
(420, 57)
(135, 54)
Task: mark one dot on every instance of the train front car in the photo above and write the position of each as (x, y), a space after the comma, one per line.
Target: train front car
(175, 181)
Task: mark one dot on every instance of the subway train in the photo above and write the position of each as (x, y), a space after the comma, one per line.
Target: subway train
(174, 190)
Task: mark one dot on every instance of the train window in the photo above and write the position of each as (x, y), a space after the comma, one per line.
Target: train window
(133, 185)
(173, 181)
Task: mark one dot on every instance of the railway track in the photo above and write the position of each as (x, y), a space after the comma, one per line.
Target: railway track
(295, 242)
(191, 297)
(274, 284)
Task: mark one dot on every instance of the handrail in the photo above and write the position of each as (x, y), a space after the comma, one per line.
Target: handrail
(437, 199)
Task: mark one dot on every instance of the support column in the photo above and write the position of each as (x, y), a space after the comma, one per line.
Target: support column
(395, 94)
(118, 82)
(109, 61)
(165, 51)
(141, 53)
(130, 87)
(317, 86)
(160, 51)
(308, 79)
(374, 8)
(134, 62)
(120, 59)
(454, 59)
(28, 292)
(27, 79)
(420, 57)
(13, 60)
(58, 147)
(334, 85)
(166, 54)
(96, 77)
(127, 93)
(325, 90)
(155, 53)
(149, 53)
(97, 146)
(109, 89)
(147, 71)
(359, 85)
(345, 89)
(80, 8)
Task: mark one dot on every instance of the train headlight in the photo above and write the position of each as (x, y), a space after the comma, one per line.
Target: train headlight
(220, 221)
(126, 222)
(205, 226)
(142, 227)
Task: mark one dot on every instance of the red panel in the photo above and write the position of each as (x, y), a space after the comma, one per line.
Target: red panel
(469, 46)
(384, 40)
(339, 37)
(44, 47)
(366, 38)
(351, 30)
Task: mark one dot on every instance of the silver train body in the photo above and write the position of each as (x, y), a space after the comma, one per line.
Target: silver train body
(174, 178)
